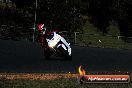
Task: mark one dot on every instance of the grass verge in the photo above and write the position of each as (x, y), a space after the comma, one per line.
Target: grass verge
(53, 81)
(93, 38)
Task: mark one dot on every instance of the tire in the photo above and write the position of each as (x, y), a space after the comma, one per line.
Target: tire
(65, 53)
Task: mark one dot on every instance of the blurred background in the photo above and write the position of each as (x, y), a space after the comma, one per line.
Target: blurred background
(94, 23)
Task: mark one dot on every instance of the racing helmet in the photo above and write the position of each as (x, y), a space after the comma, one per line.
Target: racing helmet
(42, 27)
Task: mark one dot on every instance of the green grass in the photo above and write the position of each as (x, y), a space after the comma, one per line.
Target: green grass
(56, 83)
(67, 80)
(91, 37)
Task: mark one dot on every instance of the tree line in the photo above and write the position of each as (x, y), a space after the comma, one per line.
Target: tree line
(69, 14)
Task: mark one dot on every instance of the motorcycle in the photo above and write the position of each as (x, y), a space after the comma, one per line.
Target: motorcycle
(58, 46)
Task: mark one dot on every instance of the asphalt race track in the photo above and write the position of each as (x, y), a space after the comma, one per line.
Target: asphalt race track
(23, 56)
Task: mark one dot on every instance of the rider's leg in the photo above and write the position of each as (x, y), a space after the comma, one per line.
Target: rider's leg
(64, 41)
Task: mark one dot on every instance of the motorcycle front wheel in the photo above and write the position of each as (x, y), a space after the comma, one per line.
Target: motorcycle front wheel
(65, 53)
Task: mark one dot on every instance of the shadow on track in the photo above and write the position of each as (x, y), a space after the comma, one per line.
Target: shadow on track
(56, 59)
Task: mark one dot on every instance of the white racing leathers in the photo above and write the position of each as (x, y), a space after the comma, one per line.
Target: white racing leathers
(67, 45)
(58, 43)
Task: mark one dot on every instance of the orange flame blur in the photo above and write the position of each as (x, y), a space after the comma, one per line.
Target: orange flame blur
(81, 70)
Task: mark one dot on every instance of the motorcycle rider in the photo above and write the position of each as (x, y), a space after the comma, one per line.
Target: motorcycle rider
(44, 32)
